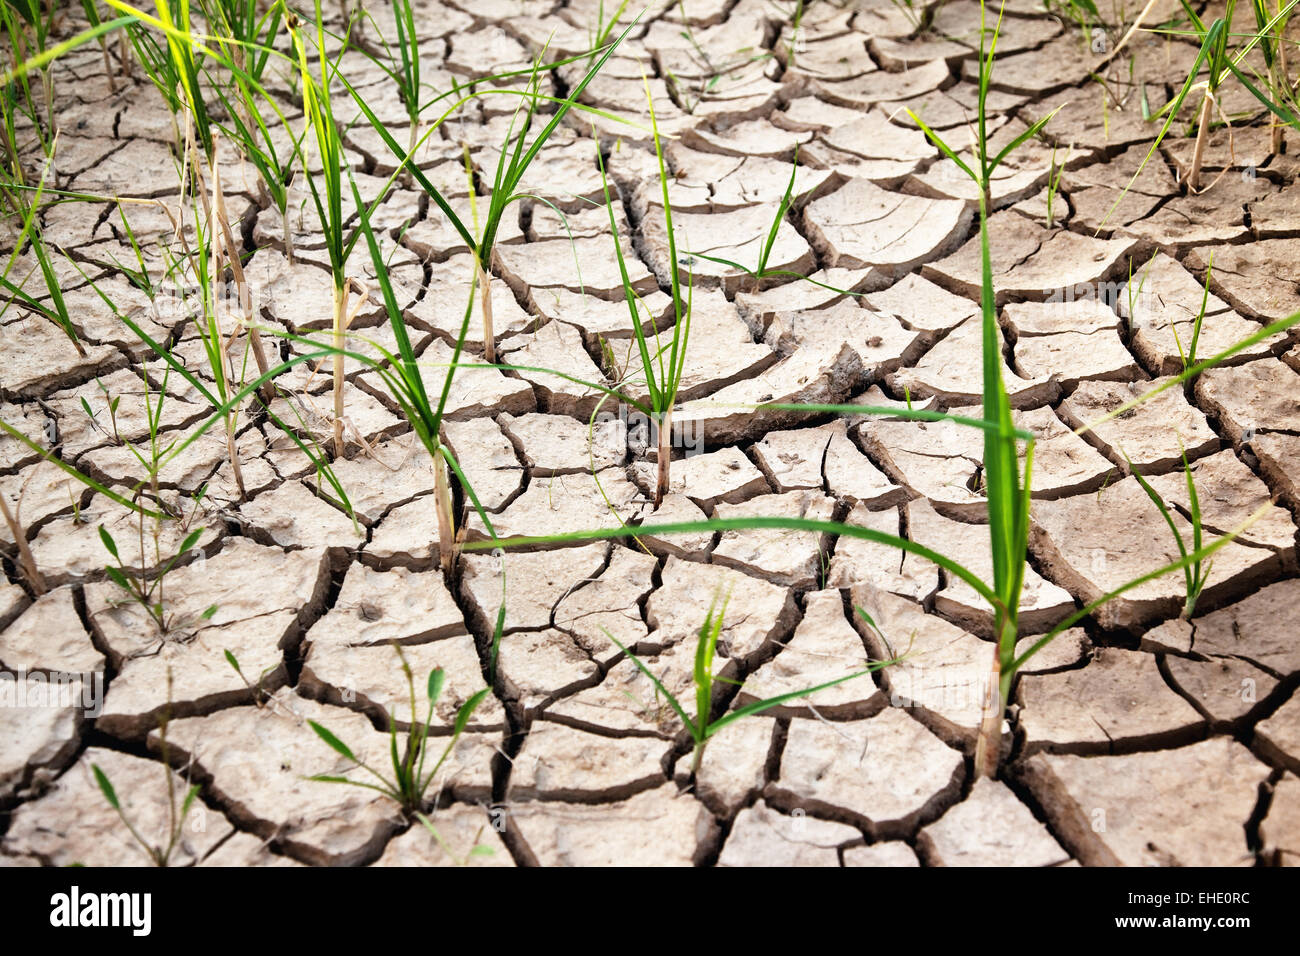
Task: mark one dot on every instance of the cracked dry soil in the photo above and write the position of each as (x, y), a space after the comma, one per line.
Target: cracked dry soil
(1135, 738)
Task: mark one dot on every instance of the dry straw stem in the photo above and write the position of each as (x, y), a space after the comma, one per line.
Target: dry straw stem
(26, 561)
(1137, 25)
(224, 242)
(1217, 46)
(1204, 118)
(206, 263)
(446, 518)
(344, 317)
(1214, 53)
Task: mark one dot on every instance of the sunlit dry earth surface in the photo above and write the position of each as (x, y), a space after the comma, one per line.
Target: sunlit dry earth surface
(1135, 738)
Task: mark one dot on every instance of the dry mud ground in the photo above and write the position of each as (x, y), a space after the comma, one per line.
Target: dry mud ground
(1135, 739)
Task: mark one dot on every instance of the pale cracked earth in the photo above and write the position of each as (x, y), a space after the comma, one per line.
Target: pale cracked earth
(1136, 739)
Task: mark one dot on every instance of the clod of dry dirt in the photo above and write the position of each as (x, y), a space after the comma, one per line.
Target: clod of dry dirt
(991, 827)
(1182, 807)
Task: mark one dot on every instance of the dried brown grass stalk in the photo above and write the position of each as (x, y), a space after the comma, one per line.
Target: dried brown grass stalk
(489, 339)
(26, 562)
(343, 319)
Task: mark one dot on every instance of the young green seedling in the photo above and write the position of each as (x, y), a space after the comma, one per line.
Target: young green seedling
(762, 270)
(796, 24)
(1054, 183)
(21, 67)
(598, 34)
(663, 373)
(919, 13)
(1008, 498)
(246, 110)
(174, 66)
(159, 854)
(111, 404)
(203, 264)
(149, 591)
(404, 381)
(702, 727)
(1188, 357)
(30, 27)
(327, 197)
(1197, 573)
(1271, 22)
(1135, 295)
(53, 307)
(477, 850)
(1083, 13)
(1220, 63)
(408, 781)
(258, 691)
(406, 70)
(512, 162)
(245, 34)
(1218, 71)
(226, 259)
(1279, 95)
(501, 196)
(13, 176)
(1214, 38)
(710, 73)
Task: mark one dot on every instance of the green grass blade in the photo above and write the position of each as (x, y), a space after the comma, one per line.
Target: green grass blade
(85, 479)
(325, 734)
(652, 384)
(741, 524)
(41, 60)
(757, 707)
(888, 411)
(1029, 133)
(1281, 325)
(658, 685)
(1172, 108)
(106, 788)
(1181, 563)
